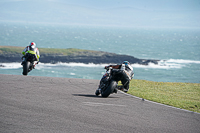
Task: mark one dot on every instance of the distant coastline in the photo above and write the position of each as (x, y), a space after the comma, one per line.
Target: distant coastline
(10, 54)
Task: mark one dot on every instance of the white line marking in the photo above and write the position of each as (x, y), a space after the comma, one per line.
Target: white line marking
(157, 103)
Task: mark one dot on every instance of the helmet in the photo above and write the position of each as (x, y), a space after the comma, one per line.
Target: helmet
(32, 44)
(126, 63)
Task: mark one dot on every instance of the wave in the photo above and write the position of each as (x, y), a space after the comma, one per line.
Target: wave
(181, 61)
(14, 65)
(163, 64)
(158, 66)
(17, 65)
(72, 64)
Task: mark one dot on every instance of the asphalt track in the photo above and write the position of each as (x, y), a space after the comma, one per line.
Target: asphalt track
(31, 104)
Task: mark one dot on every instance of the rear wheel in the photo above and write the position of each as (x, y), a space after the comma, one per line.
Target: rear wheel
(26, 67)
(110, 89)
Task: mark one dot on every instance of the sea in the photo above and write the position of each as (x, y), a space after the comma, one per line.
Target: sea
(178, 49)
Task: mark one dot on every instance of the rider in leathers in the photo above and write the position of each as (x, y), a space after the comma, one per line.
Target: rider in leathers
(123, 72)
(32, 50)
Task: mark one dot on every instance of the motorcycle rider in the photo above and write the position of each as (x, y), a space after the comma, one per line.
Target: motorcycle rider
(123, 72)
(32, 50)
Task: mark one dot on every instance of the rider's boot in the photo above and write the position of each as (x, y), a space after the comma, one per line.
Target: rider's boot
(115, 90)
(34, 64)
(23, 60)
(122, 89)
(97, 92)
(125, 90)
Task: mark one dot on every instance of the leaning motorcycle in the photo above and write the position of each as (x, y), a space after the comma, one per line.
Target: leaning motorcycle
(108, 84)
(28, 63)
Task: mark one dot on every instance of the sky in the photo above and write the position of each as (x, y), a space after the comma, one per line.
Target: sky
(121, 13)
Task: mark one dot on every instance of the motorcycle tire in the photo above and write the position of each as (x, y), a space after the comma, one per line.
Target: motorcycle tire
(26, 66)
(110, 89)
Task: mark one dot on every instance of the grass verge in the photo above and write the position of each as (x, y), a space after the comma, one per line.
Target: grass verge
(18, 50)
(180, 95)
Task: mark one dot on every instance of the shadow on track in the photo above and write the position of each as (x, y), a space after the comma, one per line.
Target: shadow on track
(86, 95)
(89, 95)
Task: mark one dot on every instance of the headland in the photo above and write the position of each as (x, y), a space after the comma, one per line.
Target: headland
(10, 54)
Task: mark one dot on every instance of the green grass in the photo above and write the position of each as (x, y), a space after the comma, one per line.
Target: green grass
(10, 49)
(61, 51)
(18, 50)
(181, 95)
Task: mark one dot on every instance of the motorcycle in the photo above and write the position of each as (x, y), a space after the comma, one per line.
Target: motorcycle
(108, 84)
(28, 63)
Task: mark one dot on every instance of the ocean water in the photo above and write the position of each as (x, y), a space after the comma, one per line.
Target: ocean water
(177, 49)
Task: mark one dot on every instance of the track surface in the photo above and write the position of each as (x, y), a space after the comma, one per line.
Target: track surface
(47, 105)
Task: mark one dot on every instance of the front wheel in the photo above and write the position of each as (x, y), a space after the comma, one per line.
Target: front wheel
(109, 89)
(26, 67)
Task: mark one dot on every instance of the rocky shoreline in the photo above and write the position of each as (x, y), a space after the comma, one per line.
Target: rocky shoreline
(98, 57)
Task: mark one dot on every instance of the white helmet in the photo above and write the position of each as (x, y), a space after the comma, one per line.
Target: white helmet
(32, 45)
